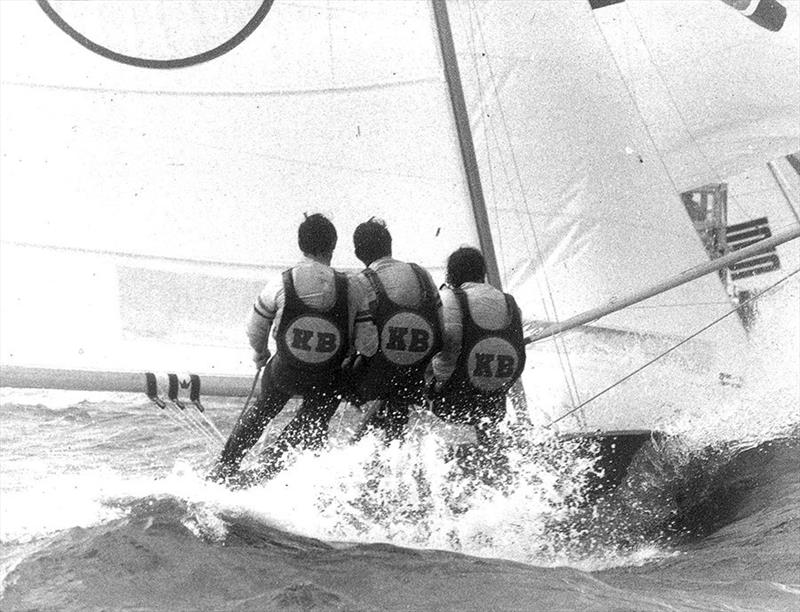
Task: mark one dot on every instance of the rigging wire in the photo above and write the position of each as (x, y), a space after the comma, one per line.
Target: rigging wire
(669, 350)
(520, 405)
(211, 426)
(181, 415)
(490, 165)
(563, 355)
(252, 388)
(170, 415)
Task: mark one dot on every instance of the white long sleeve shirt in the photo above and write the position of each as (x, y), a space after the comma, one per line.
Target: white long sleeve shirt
(399, 281)
(315, 285)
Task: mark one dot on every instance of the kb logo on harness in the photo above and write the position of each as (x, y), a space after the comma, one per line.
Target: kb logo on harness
(406, 339)
(492, 364)
(313, 339)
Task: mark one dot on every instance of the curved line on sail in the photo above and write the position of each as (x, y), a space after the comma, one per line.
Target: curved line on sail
(141, 62)
(233, 94)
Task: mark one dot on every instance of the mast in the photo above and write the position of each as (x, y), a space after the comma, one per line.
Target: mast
(465, 141)
(464, 131)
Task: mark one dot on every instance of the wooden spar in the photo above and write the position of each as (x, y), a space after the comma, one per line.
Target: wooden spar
(680, 279)
(465, 141)
(122, 382)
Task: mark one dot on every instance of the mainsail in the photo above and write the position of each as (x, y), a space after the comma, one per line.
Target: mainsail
(213, 165)
(142, 208)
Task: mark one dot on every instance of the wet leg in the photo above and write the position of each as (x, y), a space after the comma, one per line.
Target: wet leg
(247, 430)
(307, 430)
(394, 420)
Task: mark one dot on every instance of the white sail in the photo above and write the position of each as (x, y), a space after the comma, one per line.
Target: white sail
(339, 107)
(721, 101)
(584, 173)
(719, 94)
(575, 178)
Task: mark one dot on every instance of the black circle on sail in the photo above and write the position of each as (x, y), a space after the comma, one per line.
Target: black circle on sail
(176, 34)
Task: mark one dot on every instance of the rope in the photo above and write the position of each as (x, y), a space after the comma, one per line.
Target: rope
(210, 424)
(252, 388)
(682, 342)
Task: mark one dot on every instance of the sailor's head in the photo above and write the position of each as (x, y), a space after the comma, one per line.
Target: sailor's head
(372, 241)
(316, 237)
(465, 265)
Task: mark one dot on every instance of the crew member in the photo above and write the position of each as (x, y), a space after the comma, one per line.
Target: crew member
(408, 313)
(317, 316)
(483, 349)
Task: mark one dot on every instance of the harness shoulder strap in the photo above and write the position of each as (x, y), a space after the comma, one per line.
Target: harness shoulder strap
(463, 303)
(289, 291)
(511, 307)
(376, 283)
(340, 284)
(426, 295)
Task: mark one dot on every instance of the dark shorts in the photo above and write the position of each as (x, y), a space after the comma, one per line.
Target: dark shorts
(464, 406)
(376, 382)
(294, 381)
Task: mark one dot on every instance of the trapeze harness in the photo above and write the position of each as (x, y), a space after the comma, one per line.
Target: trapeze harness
(311, 343)
(409, 336)
(490, 360)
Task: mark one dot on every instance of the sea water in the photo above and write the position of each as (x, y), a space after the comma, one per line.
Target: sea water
(104, 506)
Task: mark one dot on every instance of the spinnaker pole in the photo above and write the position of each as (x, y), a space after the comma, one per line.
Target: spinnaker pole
(461, 115)
(684, 277)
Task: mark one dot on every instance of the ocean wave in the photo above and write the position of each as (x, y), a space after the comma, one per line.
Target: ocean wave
(154, 559)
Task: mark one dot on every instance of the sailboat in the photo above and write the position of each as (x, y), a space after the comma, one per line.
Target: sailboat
(157, 158)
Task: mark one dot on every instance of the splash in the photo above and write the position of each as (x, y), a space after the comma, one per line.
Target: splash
(419, 494)
(764, 405)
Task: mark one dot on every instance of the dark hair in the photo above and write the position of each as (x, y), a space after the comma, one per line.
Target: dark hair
(465, 265)
(372, 241)
(316, 235)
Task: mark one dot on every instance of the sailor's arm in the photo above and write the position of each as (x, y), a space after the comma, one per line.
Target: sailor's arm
(260, 322)
(438, 298)
(362, 303)
(444, 362)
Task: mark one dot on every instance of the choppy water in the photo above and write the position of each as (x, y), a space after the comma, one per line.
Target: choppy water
(103, 506)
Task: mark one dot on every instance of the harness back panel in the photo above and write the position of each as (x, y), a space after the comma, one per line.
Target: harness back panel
(490, 360)
(309, 340)
(409, 336)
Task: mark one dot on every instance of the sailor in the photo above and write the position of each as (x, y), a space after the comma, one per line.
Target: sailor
(408, 313)
(483, 350)
(317, 317)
